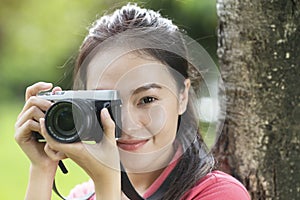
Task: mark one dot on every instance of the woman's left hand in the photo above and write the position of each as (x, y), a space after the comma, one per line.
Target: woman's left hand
(100, 161)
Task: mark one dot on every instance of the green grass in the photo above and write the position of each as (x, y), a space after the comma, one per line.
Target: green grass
(14, 165)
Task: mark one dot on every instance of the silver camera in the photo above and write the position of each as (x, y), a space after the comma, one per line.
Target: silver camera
(75, 115)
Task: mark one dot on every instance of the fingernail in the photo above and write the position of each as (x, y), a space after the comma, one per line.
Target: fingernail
(105, 113)
(42, 120)
(47, 84)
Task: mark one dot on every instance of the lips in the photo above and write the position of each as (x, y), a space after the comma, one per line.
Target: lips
(131, 145)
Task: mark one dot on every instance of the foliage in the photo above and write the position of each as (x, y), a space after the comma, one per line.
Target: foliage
(37, 38)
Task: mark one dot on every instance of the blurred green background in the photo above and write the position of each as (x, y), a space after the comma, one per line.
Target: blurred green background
(38, 39)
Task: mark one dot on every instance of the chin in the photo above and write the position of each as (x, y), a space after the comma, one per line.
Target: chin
(145, 162)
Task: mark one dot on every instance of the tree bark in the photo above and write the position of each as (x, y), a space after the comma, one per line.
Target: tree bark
(259, 54)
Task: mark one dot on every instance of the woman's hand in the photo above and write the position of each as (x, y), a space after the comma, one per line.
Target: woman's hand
(100, 161)
(43, 167)
(28, 122)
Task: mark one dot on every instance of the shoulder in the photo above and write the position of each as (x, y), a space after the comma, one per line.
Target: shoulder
(218, 185)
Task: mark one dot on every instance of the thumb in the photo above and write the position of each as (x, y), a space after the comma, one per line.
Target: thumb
(108, 125)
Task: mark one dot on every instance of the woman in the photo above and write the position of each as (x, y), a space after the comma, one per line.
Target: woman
(143, 56)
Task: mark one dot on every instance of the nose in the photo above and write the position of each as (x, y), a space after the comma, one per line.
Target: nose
(130, 122)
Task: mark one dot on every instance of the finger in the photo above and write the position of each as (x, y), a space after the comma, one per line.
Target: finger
(108, 125)
(67, 149)
(34, 89)
(42, 104)
(55, 89)
(106, 151)
(53, 154)
(24, 132)
(50, 141)
(53, 143)
(43, 131)
(32, 113)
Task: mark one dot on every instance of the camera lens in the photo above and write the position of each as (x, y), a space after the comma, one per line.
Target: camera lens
(65, 120)
(73, 120)
(62, 120)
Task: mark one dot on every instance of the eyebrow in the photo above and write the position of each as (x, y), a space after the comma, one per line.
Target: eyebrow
(146, 87)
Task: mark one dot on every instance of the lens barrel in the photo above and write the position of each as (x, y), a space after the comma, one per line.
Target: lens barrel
(71, 121)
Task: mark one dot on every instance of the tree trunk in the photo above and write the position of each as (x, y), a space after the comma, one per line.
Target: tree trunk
(259, 53)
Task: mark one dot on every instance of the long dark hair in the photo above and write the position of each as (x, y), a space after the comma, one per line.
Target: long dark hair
(196, 161)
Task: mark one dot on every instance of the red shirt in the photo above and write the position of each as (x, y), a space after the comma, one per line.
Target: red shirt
(216, 185)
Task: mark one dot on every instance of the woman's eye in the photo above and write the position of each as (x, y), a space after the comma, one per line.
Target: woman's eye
(146, 100)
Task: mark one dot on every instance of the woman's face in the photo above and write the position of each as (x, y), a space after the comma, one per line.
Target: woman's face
(151, 103)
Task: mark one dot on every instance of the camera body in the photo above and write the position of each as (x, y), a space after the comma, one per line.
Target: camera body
(75, 115)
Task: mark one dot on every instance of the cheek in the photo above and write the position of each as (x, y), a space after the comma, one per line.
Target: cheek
(156, 119)
(162, 120)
